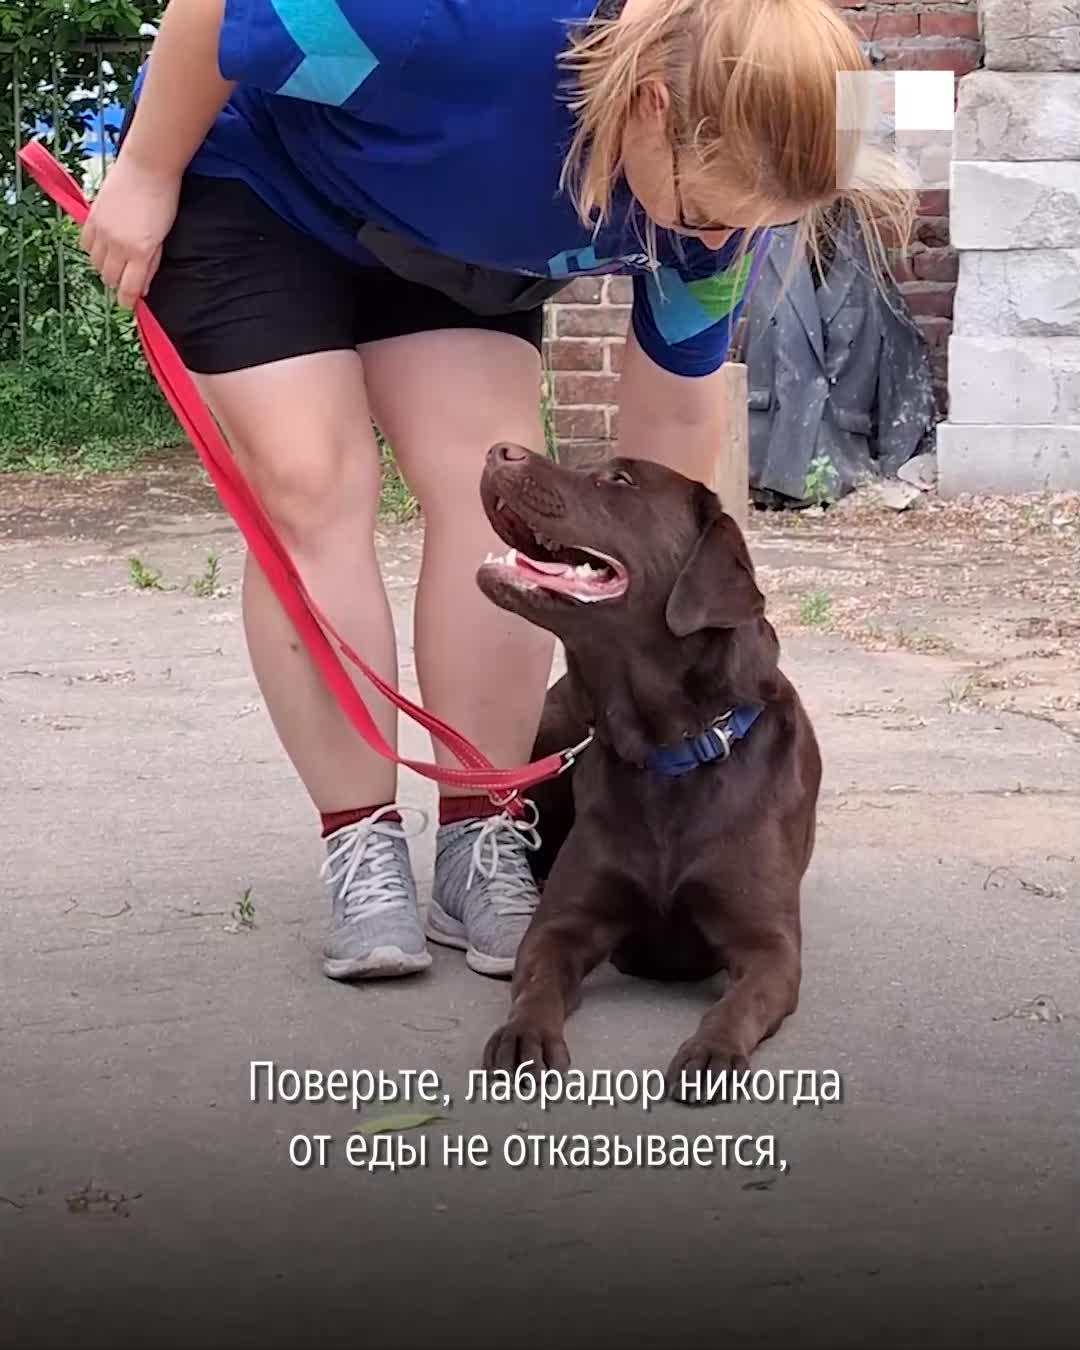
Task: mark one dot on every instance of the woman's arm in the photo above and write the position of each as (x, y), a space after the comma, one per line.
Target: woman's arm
(182, 94)
(183, 91)
(676, 420)
(673, 398)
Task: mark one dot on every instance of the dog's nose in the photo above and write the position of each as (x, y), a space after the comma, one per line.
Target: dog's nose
(507, 453)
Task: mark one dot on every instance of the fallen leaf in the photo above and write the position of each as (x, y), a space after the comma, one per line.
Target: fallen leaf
(1042, 1008)
(406, 1121)
(93, 1199)
(1046, 892)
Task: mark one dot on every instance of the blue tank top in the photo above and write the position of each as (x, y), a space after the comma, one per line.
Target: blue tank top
(445, 122)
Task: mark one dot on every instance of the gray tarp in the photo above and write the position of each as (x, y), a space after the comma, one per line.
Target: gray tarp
(836, 369)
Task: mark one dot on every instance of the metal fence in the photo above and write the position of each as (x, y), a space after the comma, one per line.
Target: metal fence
(52, 305)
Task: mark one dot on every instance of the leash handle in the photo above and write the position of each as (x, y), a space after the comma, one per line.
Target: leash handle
(313, 627)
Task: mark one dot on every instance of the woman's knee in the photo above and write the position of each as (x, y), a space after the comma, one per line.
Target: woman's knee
(313, 490)
(443, 400)
(309, 452)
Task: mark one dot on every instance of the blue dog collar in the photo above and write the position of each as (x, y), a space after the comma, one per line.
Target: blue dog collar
(715, 742)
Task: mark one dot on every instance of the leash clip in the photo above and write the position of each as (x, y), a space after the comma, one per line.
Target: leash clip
(570, 756)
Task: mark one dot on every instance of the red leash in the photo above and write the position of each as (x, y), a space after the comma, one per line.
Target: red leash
(244, 508)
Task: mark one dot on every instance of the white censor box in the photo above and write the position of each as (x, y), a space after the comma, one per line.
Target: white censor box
(906, 114)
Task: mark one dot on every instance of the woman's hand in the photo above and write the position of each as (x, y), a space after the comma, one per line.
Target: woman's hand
(182, 95)
(127, 225)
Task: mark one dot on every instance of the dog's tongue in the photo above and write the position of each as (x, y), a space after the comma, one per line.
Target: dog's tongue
(550, 569)
(583, 582)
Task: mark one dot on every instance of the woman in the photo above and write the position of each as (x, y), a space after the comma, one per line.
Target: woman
(343, 211)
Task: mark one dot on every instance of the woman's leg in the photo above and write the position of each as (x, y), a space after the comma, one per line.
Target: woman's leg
(301, 432)
(443, 399)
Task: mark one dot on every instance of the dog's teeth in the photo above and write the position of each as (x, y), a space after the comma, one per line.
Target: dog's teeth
(511, 558)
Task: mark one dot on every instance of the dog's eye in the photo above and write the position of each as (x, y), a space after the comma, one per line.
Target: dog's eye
(620, 478)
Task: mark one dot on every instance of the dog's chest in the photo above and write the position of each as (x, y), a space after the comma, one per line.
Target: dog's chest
(669, 840)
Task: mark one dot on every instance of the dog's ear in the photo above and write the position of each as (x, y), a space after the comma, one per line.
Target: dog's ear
(716, 588)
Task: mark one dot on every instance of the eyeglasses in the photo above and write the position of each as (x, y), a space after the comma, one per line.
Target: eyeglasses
(681, 223)
(700, 227)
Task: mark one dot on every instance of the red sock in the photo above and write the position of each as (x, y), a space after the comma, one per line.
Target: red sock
(453, 809)
(337, 820)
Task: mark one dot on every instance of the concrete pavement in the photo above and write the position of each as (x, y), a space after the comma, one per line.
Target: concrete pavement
(144, 794)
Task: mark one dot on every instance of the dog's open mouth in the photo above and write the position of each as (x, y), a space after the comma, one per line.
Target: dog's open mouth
(535, 560)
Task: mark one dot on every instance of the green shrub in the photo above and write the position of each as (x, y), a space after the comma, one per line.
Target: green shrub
(74, 389)
(82, 396)
(79, 415)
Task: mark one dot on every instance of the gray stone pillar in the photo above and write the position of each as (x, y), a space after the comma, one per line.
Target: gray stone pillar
(1014, 356)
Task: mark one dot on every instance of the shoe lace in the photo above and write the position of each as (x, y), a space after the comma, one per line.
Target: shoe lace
(369, 844)
(499, 856)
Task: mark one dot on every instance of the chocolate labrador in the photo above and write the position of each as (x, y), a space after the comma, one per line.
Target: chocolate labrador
(676, 845)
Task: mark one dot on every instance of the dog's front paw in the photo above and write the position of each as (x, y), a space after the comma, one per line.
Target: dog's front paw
(519, 1042)
(694, 1075)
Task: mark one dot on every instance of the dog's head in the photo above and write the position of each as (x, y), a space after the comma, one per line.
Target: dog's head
(610, 549)
(640, 573)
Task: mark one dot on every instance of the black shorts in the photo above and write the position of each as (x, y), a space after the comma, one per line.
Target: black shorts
(239, 287)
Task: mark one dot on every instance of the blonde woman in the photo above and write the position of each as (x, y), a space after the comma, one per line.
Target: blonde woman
(343, 210)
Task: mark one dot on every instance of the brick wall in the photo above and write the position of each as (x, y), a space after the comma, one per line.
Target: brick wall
(587, 322)
(925, 35)
(586, 326)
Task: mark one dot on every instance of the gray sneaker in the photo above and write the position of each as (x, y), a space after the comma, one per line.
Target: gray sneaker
(376, 924)
(484, 894)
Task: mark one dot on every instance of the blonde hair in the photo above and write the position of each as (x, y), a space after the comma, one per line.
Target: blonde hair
(757, 84)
